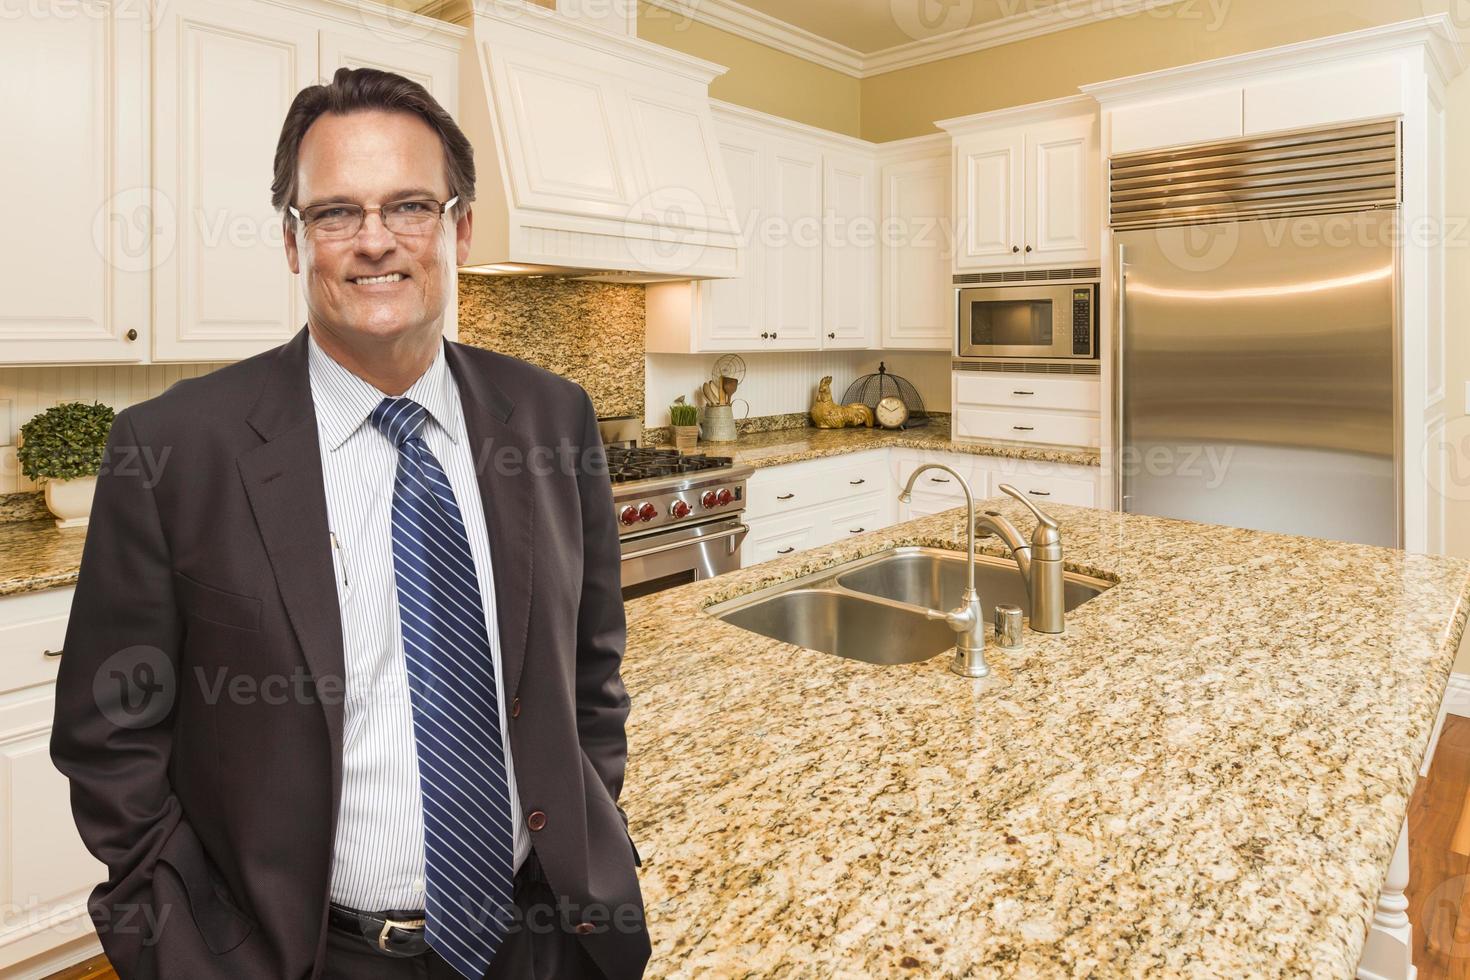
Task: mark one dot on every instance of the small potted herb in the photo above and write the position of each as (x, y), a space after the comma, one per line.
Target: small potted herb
(685, 420)
(63, 446)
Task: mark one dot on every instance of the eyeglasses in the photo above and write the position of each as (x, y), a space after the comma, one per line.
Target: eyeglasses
(337, 220)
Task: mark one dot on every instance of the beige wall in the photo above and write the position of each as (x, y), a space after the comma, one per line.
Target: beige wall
(760, 77)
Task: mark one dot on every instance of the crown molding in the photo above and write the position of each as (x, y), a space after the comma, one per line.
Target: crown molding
(1433, 34)
(738, 19)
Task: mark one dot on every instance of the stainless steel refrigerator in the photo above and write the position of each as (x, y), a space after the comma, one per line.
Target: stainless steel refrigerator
(1255, 341)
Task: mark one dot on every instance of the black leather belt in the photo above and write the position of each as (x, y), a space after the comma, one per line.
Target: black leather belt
(399, 933)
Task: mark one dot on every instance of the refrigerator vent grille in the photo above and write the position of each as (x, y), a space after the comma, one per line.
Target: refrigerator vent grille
(1339, 169)
(1027, 275)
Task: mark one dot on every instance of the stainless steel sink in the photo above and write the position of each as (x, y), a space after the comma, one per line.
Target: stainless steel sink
(935, 579)
(846, 625)
(872, 609)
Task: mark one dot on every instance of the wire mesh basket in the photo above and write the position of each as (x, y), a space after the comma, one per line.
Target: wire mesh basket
(871, 388)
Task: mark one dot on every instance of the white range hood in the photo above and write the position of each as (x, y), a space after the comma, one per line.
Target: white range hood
(595, 152)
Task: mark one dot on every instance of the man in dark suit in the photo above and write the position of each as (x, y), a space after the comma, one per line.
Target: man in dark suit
(341, 691)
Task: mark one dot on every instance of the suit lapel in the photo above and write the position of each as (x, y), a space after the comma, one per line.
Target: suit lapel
(283, 480)
(507, 493)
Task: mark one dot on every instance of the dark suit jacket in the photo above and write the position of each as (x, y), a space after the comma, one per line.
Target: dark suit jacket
(199, 702)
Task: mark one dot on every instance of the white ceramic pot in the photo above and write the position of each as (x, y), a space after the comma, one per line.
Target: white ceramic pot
(71, 500)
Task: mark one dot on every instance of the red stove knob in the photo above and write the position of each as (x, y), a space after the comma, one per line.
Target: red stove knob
(710, 500)
(628, 515)
(679, 509)
(647, 512)
(725, 496)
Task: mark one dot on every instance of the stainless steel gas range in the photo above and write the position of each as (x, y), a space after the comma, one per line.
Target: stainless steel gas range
(679, 515)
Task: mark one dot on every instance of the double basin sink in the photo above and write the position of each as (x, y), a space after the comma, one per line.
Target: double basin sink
(872, 608)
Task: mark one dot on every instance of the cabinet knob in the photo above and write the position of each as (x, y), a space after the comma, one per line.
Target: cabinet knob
(831, 336)
(773, 335)
(1028, 248)
(764, 334)
(132, 333)
(1015, 249)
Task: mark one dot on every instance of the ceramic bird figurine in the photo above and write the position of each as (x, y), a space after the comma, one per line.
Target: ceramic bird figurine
(827, 414)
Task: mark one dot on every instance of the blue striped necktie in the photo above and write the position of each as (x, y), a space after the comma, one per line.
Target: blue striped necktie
(468, 837)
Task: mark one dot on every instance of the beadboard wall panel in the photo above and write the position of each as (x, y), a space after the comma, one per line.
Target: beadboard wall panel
(28, 391)
(780, 382)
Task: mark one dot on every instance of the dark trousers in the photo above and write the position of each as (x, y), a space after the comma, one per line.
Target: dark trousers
(542, 950)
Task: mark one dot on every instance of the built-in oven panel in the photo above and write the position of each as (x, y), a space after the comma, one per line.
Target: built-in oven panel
(1034, 320)
(663, 559)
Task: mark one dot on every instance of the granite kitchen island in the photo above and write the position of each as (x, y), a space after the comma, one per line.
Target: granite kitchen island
(1206, 775)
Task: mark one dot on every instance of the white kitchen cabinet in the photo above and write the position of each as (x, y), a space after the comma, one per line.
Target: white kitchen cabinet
(1196, 117)
(226, 74)
(793, 256)
(154, 160)
(850, 251)
(1027, 186)
(991, 186)
(916, 247)
(776, 537)
(1029, 408)
(46, 873)
(807, 202)
(76, 115)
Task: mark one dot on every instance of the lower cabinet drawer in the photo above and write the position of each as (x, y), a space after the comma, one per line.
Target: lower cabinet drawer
(1049, 482)
(777, 537)
(789, 488)
(1026, 392)
(858, 516)
(939, 482)
(32, 628)
(1042, 427)
(925, 504)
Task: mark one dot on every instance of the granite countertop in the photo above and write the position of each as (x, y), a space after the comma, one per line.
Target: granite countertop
(37, 555)
(1205, 775)
(782, 446)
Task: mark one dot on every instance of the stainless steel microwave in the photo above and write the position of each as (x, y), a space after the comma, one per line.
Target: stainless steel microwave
(1030, 320)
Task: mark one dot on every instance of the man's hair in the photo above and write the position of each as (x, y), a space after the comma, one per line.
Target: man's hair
(361, 90)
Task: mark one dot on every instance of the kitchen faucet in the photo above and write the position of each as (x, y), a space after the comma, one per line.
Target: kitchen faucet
(967, 621)
(1039, 562)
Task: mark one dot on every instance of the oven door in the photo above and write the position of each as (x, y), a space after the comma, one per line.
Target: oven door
(663, 559)
(1016, 321)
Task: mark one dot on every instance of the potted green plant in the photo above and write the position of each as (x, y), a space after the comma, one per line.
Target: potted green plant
(685, 420)
(63, 446)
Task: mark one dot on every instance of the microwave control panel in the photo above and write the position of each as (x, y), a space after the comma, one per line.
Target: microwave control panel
(1082, 321)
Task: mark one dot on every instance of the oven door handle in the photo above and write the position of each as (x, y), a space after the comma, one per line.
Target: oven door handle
(736, 533)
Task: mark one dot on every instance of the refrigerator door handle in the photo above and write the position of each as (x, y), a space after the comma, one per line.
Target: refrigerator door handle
(1119, 442)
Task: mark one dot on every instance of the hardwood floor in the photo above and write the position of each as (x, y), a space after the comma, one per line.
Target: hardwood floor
(1439, 866)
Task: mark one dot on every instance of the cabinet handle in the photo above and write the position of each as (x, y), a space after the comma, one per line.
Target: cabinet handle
(1039, 493)
(856, 530)
(785, 551)
(773, 335)
(831, 336)
(1015, 249)
(764, 334)
(1023, 392)
(132, 333)
(1028, 248)
(785, 496)
(938, 479)
(853, 483)
(1024, 428)
(51, 653)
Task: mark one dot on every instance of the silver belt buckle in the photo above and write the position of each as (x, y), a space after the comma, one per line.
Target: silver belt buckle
(399, 924)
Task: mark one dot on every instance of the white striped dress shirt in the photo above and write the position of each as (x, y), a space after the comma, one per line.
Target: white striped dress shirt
(378, 855)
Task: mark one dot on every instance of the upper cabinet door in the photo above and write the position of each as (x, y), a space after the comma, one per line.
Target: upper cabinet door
(226, 77)
(850, 262)
(793, 226)
(76, 276)
(435, 68)
(1062, 194)
(916, 254)
(730, 312)
(989, 189)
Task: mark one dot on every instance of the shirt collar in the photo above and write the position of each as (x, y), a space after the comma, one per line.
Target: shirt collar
(345, 401)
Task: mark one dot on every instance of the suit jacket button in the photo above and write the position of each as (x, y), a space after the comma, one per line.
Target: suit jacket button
(515, 707)
(536, 820)
(585, 927)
